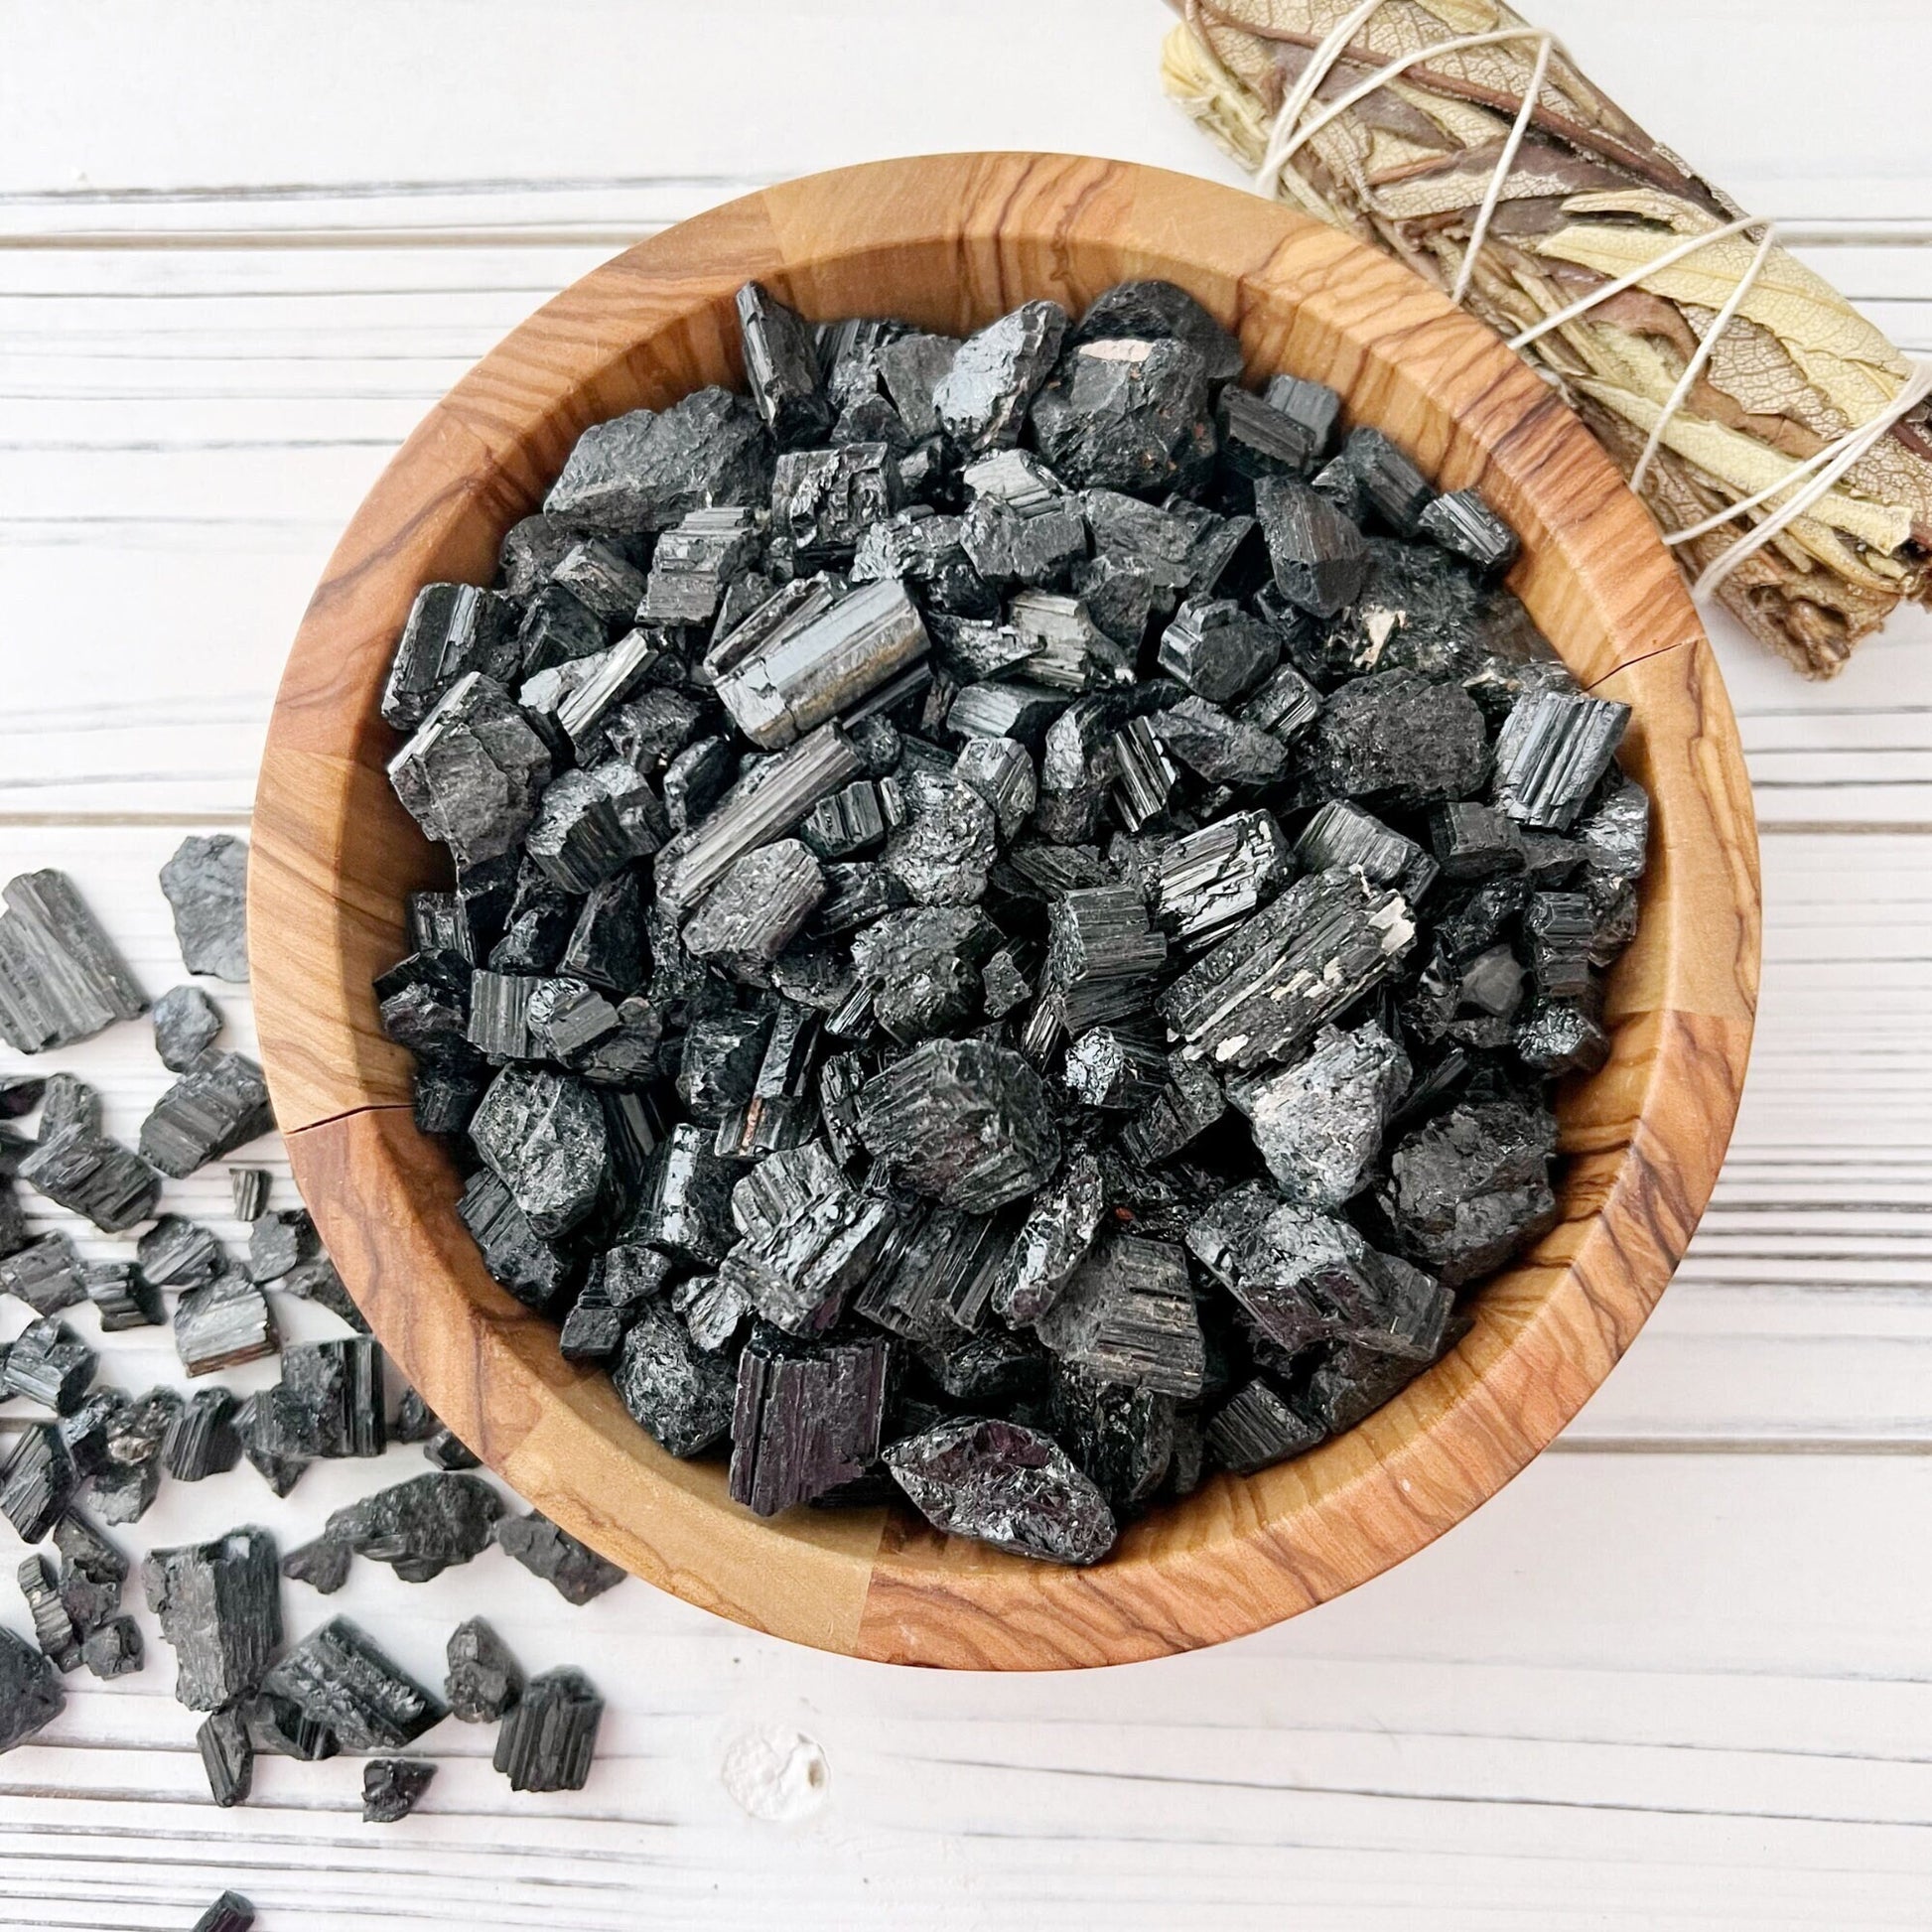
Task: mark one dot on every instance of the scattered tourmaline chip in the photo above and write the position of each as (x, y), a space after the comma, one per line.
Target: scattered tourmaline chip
(219, 1607)
(546, 1737)
(338, 1677)
(391, 1787)
(207, 884)
(572, 1569)
(483, 1679)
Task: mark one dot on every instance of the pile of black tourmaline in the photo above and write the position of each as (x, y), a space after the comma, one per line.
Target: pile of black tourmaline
(1016, 906)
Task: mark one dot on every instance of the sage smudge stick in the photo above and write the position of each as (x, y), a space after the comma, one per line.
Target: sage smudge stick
(1741, 375)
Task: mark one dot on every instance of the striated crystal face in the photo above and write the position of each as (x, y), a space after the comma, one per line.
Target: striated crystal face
(1017, 905)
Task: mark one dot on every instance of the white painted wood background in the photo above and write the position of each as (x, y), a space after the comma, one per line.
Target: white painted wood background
(1679, 1675)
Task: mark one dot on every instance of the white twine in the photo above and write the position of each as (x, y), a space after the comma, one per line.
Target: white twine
(1801, 488)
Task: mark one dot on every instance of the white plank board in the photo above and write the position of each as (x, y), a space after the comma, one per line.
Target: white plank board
(1672, 1678)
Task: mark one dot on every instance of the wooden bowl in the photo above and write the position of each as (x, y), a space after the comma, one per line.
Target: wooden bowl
(950, 241)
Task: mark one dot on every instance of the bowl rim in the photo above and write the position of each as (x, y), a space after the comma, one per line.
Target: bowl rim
(333, 856)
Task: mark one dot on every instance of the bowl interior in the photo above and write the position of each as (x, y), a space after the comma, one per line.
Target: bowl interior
(949, 243)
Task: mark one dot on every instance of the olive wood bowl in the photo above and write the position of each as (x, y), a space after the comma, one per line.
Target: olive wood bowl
(950, 241)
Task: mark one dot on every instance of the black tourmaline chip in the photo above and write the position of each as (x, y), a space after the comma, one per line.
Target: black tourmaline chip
(88, 1174)
(178, 1253)
(1320, 558)
(30, 1696)
(982, 399)
(90, 1583)
(572, 1569)
(967, 1123)
(1319, 1123)
(336, 1676)
(229, 1913)
(202, 1440)
(1468, 1189)
(547, 1735)
(781, 368)
(47, 1275)
(1148, 312)
(223, 1324)
(543, 1133)
(806, 1418)
(420, 1527)
(1256, 1428)
(1126, 1316)
(185, 1026)
(471, 775)
(228, 1755)
(1466, 526)
(207, 884)
(1000, 1483)
(53, 1628)
(48, 1364)
(115, 1649)
(391, 1786)
(1553, 749)
(323, 1564)
(60, 979)
(1053, 1241)
(483, 1679)
(1126, 414)
(1399, 737)
(679, 1392)
(220, 1607)
(222, 1105)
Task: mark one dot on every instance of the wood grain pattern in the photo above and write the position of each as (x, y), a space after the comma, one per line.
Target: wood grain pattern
(952, 241)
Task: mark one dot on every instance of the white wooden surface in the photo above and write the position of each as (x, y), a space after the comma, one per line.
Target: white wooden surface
(1676, 1675)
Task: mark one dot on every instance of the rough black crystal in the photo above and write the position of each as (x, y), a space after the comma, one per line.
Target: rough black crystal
(546, 1738)
(1000, 1483)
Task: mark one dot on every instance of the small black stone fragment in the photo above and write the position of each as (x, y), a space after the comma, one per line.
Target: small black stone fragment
(203, 1439)
(207, 885)
(220, 1607)
(1466, 526)
(218, 1107)
(47, 1275)
(674, 1388)
(227, 1758)
(1000, 1483)
(223, 1325)
(30, 1696)
(89, 1175)
(61, 978)
(336, 1676)
(420, 1527)
(546, 1737)
(185, 1026)
(393, 1786)
(48, 1364)
(229, 1913)
(115, 1649)
(1319, 559)
(1551, 751)
(572, 1569)
(178, 1253)
(483, 1679)
(805, 1418)
(1256, 1428)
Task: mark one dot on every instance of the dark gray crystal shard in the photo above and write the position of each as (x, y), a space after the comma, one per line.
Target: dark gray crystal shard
(61, 978)
(122, 1297)
(47, 1275)
(1473, 841)
(1256, 1429)
(1561, 1036)
(1209, 880)
(1351, 1383)
(534, 1271)
(994, 709)
(329, 1403)
(941, 1279)
(1341, 835)
(420, 1527)
(1051, 1242)
(223, 1325)
(178, 1253)
(1466, 526)
(1000, 1483)
(823, 501)
(688, 1212)
(1469, 1188)
(942, 852)
(1149, 311)
(220, 1607)
(471, 774)
(53, 1628)
(1302, 1277)
(1126, 414)
(1022, 524)
(1146, 777)
(93, 1175)
(483, 1679)
(48, 1364)
(846, 823)
(323, 1564)
(1001, 770)
(765, 804)
(781, 369)
(963, 1121)
(278, 1727)
(185, 1026)
(20, 1094)
(1296, 964)
(982, 399)
(37, 1481)
(1126, 1316)
(808, 1239)
(680, 1394)
(227, 1758)
(805, 1419)
(1319, 1123)
(912, 367)
(391, 1787)
(1388, 480)
(719, 1065)
(1551, 751)
(1116, 1069)
(220, 1106)
(115, 1649)
(695, 779)
(451, 628)
(1399, 737)
(542, 1134)
(229, 1913)
(648, 468)
(1561, 929)
(1261, 438)
(1097, 936)
(695, 561)
(547, 1736)
(336, 1676)
(1218, 651)
(812, 669)
(90, 1584)
(31, 1697)
(572, 1569)
(207, 884)
(1319, 559)
(576, 838)
(757, 908)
